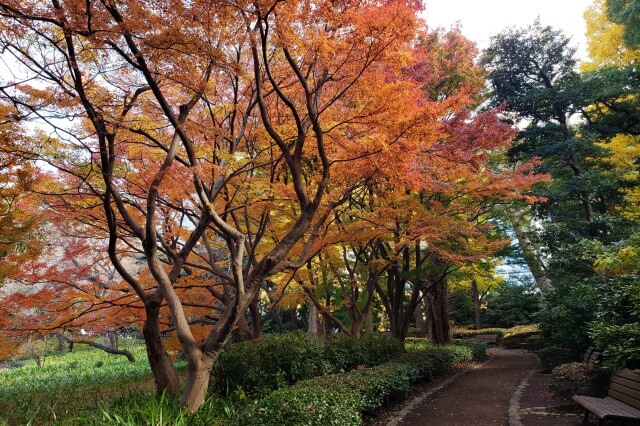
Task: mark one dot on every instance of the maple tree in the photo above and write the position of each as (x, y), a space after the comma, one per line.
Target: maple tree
(191, 141)
(17, 179)
(421, 212)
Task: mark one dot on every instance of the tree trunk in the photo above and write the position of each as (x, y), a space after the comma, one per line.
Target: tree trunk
(421, 324)
(293, 317)
(256, 320)
(438, 313)
(110, 339)
(326, 321)
(195, 388)
(368, 322)
(533, 261)
(475, 296)
(313, 320)
(164, 373)
(244, 330)
(62, 344)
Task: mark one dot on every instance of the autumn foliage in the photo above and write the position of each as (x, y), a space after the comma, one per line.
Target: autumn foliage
(215, 149)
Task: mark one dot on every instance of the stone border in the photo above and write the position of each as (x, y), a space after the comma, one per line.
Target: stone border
(514, 402)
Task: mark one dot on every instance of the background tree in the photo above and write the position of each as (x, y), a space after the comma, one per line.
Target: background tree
(533, 72)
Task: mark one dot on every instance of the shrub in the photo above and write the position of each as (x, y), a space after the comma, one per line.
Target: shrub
(516, 337)
(535, 342)
(344, 353)
(512, 303)
(478, 349)
(460, 333)
(552, 357)
(621, 343)
(281, 360)
(271, 363)
(341, 399)
(577, 378)
(566, 311)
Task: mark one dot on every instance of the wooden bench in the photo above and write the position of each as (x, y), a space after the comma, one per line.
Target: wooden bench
(621, 404)
(592, 356)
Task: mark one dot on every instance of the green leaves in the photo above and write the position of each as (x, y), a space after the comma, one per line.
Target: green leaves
(627, 13)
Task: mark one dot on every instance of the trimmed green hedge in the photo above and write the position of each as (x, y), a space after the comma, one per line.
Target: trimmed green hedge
(459, 333)
(282, 360)
(343, 353)
(271, 363)
(342, 399)
(516, 337)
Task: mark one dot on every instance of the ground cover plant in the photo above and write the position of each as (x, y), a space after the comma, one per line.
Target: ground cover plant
(69, 385)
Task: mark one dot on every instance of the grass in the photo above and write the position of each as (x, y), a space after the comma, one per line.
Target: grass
(71, 386)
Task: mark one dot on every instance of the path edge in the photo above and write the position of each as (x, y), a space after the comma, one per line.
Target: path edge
(514, 402)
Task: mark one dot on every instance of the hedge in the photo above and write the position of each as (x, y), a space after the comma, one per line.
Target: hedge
(461, 333)
(342, 399)
(282, 360)
(516, 337)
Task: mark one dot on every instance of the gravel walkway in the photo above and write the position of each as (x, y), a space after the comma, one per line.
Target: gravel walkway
(506, 390)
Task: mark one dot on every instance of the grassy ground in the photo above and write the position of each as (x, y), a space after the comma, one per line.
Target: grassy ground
(82, 387)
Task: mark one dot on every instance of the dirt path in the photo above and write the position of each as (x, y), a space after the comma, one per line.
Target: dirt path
(478, 397)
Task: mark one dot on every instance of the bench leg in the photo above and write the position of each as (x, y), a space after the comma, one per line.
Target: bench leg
(585, 419)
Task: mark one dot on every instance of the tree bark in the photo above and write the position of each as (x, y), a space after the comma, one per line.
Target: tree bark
(313, 320)
(164, 373)
(195, 388)
(475, 296)
(256, 320)
(421, 324)
(326, 320)
(110, 339)
(368, 322)
(438, 313)
(105, 348)
(62, 343)
(533, 261)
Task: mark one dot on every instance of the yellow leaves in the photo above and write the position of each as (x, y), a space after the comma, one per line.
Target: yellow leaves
(605, 45)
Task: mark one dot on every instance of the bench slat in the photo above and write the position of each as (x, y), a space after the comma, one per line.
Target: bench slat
(623, 400)
(628, 400)
(621, 381)
(623, 406)
(628, 374)
(630, 391)
(603, 408)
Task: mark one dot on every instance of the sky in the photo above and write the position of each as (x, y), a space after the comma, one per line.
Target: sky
(480, 19)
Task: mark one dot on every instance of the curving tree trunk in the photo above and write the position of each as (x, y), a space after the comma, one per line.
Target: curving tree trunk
(164, 373)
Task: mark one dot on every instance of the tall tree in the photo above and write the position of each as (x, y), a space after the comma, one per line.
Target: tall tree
(198, 136)
(563, 115)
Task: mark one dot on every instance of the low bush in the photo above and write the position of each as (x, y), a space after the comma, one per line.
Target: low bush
(577, 378)
(535, 342)
(271, 363)
(516, 337)
(462, 333)
(478, 349)
(281, 360)
(342, 399)
(552, 357)
(344, 353)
